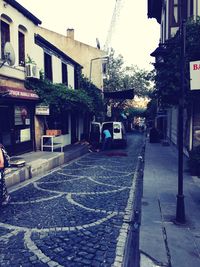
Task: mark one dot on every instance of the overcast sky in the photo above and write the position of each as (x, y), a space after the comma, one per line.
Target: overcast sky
(135, 36)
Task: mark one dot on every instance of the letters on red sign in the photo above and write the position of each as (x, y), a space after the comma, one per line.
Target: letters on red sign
(196, 67)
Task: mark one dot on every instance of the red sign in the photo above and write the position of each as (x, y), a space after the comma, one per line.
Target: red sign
(195, 75)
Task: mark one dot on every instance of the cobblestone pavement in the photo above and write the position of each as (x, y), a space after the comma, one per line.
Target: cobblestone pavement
(76, 215)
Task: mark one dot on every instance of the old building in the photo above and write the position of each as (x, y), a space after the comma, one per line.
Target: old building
(25, 54)
(91, 58)
(17, 104)
(170, 14)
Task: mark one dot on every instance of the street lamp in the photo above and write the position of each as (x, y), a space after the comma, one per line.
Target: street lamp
(159, 54)
(93, 59)
(180, 206)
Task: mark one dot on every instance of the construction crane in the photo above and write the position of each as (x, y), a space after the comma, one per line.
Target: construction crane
(113, 25)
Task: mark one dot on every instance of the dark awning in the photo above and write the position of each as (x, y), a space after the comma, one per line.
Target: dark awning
(125, 94)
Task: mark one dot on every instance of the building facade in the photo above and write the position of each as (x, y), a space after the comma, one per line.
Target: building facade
(58, 68)
(170, 14)
(91, 58)
(17, 104)
(25, 54)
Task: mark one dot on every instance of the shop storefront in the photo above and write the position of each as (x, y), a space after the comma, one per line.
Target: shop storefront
(17, 110)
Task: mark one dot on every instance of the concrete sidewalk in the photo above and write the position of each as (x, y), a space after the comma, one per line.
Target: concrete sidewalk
(162, 241)
(40, 162)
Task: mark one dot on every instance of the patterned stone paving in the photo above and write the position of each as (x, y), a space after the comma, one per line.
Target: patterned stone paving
(77, 215)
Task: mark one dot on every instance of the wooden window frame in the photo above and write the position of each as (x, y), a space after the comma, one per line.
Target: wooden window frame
(48, 72)
(64, 73)
(5, 36)
(21, 48)
(191, 8)
(172, 7)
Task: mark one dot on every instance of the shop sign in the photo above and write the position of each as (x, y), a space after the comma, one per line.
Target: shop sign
(25, 135)
(25, 94)
(19, 93)
(195, 75)
(41, 110)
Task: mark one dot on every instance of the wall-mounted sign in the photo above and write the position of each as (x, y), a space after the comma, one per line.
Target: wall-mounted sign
(25, 135)
(22, 93)
(41, 110)
(195, 75)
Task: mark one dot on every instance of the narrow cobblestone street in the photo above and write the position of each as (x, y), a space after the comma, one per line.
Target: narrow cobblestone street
(75, 215)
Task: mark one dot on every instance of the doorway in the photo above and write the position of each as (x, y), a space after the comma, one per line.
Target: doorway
(16, 128)
(6, 121)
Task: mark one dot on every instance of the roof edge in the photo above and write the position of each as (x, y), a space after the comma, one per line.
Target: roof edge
(24, 11)
(41, 41)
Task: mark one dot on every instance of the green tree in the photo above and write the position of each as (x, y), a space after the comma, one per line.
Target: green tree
(113, 81)
(61, 98)
(120, 77)
(95, 94)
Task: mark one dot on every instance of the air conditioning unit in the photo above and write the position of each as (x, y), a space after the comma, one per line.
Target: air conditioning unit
(32, 71)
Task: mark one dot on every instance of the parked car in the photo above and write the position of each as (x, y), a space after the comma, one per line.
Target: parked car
(116, 129)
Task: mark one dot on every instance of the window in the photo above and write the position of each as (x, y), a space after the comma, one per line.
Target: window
(174, 13)
(59, 122)
(22, 123)
(48, 67)
(174, 16)
(191, 7)
(21, 43)
(22, 115)
(5, 36)
(64, 74)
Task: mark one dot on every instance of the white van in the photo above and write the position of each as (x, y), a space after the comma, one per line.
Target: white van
(116, 129)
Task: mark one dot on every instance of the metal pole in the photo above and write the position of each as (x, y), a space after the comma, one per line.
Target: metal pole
(91, 69)
(91, 60)
(180, 207)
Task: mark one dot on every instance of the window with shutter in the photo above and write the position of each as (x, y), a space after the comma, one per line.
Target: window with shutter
(5, 36)
(48, 67)
(64, 74)
(21, 43)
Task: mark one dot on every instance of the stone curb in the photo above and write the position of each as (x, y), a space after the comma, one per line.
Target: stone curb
(41, 166)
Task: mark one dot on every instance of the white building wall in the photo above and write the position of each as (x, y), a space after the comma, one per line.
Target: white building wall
(70, 72)
(80, 52)
(56, 69)
(17, 18)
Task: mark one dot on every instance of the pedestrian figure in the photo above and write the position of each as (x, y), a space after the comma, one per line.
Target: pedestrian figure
(4, 196)
(107, 140)
(94, 141)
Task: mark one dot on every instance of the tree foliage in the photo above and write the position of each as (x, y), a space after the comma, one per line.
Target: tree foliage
(94, 93)
(130, 77)
(61, 98)
(120, 77)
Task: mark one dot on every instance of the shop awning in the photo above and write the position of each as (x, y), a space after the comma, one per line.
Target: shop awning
(124, 94)
(20, 93)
